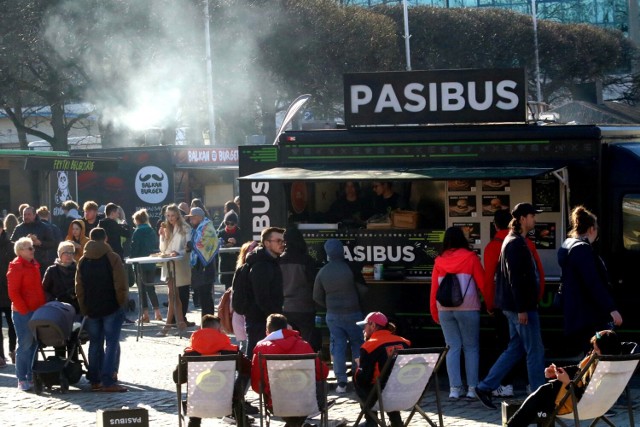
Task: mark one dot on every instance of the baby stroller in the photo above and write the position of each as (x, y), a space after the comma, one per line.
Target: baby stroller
(53, 326)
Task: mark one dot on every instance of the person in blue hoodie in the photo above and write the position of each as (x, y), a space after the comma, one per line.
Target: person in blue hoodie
(335, 289)
(586, 303)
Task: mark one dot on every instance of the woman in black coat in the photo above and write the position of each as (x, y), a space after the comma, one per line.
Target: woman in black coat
(586, 302)
(6, 255)
(59, 280)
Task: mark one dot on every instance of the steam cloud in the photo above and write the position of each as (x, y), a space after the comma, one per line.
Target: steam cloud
(145, 60)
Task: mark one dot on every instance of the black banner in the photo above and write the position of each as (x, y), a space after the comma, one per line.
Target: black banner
(439, 96)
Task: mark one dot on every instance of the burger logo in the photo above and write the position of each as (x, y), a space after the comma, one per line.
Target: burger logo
(152, 184)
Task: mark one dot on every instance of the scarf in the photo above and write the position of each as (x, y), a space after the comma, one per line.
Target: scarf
(205, 243)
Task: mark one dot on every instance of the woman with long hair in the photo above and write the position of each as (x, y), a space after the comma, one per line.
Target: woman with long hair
(10, 224)
(77, 235)
(586, 302)
(175, 233)
(144, 242)
(238, 320)
(461, 324)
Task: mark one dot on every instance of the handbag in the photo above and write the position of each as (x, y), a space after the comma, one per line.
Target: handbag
(449, 293)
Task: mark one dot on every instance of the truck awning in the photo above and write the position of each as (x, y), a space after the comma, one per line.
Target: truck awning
(301, 174)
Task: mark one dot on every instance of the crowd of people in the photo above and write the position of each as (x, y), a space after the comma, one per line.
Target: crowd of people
(82, 263)
(283, 290)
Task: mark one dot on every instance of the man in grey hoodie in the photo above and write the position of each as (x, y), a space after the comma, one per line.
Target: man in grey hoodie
(335, 289)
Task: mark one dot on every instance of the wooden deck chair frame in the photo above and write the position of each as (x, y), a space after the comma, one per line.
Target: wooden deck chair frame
(230, 358)
(377, 392)
(320, 386)
(571, 391)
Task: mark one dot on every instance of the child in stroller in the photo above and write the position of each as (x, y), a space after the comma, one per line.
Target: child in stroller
(53, 325)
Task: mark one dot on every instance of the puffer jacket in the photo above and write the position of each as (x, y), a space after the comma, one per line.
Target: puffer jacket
(25, 285)
(465, 264)
(284, 341)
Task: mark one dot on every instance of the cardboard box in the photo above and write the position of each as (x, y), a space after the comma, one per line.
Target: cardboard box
(404, 219)
(137, 417)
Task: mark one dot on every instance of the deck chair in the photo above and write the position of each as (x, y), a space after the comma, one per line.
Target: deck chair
(610, 379)
(294, 390)
(409, 373)
(210, 387)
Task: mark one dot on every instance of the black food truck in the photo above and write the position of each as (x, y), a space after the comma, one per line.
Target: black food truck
(447, 175)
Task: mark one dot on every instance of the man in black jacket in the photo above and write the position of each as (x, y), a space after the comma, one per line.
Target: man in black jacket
(41, 235)
(517, 286)
(266, 284)
(114, 229)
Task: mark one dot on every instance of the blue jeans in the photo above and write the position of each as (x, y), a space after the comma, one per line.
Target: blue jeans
(524, 340)
(343, 330)
(103, 361)
(461, 330)
(27, 345)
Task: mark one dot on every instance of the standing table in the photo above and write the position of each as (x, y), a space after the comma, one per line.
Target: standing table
(171, 267)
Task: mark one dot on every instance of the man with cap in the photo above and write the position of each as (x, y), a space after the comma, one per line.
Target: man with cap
(205, 244)
(380, 342)
(335, 289)
(517, 289)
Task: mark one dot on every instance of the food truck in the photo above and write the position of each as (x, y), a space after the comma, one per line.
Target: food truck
(455, 147)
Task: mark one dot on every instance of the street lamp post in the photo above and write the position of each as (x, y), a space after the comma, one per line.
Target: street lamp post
(407, 48)
(210, 109)
(534, 15)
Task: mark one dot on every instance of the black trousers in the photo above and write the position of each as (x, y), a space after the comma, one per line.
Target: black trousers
(202, 279)
(305, 323)
(539, 404)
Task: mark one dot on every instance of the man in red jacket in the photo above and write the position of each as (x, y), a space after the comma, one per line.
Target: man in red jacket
(501, 221)
(281, 340)
(380, 342)
(209, 340)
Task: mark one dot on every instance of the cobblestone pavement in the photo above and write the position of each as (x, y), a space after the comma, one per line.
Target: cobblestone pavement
(146, 367)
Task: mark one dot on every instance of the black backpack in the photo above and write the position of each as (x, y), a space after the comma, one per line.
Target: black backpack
(242, 292)
(449, 293)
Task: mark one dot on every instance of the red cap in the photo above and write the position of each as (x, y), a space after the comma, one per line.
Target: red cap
(375, 317)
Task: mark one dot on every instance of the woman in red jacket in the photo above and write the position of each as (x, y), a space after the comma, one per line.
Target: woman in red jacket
(26, 294)
(461, 324)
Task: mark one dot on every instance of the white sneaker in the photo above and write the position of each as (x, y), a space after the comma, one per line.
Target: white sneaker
(471, 393)
(454, 393)
(341, 388)
(503, 391)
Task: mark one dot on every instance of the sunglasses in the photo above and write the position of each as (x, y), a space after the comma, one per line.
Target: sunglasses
(230, 224)
(28, 248)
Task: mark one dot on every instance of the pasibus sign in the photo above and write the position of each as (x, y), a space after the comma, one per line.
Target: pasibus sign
(435, 97)
(205, 156)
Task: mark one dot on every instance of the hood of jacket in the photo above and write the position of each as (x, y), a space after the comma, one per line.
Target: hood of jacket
(94, 249)
(285, 340)
(208, 341)
(455, 260)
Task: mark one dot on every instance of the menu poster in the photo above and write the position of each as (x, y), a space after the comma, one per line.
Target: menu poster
(461, 185)
(496, 185)
(545, 235)
(492, 203)
(471, 231)
(546, 193)
(462, 206)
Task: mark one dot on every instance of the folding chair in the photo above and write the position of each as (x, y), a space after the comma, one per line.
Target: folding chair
(610, 379)
(409, 373)
(293, 387)
(210, 387)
